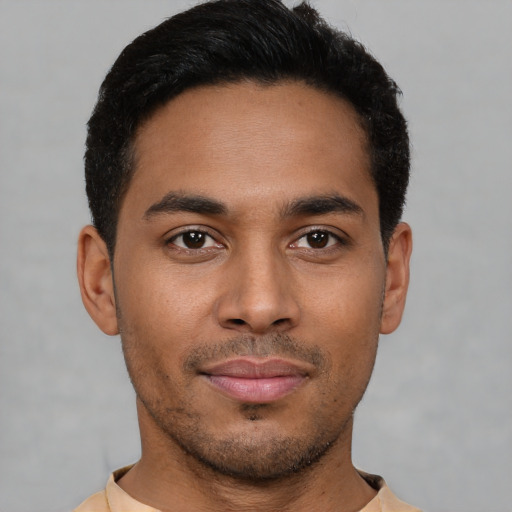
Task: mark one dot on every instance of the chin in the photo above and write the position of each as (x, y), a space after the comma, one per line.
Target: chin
(257, 460)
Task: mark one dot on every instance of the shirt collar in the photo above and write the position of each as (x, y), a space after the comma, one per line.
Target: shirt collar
(385, 501)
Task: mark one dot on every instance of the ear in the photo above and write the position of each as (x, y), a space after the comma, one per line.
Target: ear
(95, 278)
(397, 278)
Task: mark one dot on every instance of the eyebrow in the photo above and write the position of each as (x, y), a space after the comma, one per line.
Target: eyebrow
(311, 205)
(320, 205)
(176, 202)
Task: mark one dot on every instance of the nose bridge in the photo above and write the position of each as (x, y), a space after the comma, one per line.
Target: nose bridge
(259, 294)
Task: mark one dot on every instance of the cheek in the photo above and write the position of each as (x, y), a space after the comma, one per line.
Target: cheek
(346, 300)
(158, 300)
(343, 315)
(154, 332)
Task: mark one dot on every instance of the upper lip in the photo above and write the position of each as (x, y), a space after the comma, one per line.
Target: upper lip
(256, 368)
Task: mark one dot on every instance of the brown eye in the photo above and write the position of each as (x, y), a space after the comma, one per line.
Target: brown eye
(318, 239)
(193, 239)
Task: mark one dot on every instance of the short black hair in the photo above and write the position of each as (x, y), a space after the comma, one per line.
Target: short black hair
(227, 41)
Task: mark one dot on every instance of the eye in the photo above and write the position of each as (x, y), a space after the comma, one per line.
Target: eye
(318, 239)
(193, 239)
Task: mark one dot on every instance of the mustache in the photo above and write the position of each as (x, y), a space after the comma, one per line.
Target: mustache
(268, 345)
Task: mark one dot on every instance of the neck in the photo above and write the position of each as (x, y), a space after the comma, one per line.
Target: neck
(167, 478)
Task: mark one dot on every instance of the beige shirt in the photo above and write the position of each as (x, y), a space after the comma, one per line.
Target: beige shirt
(114, 499)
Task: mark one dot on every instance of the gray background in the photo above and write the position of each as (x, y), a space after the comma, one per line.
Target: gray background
(436, 420)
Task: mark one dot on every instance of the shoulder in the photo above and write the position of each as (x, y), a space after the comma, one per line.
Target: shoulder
(111, 498)
(385, 500)
(96, 503)
(389, 502)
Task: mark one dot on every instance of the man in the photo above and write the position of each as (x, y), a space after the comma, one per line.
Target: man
(246, 170)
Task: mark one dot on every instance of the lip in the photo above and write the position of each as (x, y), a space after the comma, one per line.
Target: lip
(255, 380)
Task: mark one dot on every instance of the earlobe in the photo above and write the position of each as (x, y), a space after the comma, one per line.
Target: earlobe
(95, 279)
(397, 278)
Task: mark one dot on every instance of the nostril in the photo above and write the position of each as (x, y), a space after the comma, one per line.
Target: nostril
(238, 321)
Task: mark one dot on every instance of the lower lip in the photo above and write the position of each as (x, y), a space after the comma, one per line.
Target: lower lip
(262, 390)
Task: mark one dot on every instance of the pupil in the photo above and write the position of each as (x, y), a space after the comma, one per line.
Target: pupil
(318, 240)
(193, 239)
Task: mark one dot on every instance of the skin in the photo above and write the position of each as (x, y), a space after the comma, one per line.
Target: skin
(267, 277)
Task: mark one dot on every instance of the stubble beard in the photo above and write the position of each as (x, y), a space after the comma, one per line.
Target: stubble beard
(245, 457)
(251, 461)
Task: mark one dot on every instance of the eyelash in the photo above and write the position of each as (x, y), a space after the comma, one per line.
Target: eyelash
(199, 231)
(333, 240)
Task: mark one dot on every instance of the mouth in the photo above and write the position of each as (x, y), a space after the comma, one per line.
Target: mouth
(256, 380)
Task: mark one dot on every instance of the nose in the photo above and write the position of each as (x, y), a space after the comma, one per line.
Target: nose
(258, 295)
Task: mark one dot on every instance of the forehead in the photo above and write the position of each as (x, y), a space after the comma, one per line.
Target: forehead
(246, 141)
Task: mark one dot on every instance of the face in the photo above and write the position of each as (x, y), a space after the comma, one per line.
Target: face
(250, 276)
